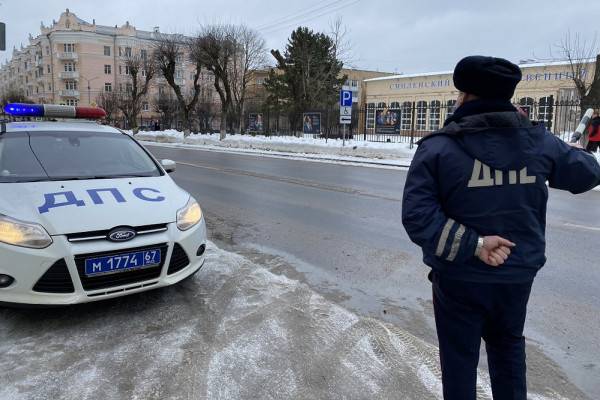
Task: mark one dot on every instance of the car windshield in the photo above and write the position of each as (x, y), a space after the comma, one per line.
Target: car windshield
(53, 156)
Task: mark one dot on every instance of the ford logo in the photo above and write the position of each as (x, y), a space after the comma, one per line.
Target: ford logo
(121, 234)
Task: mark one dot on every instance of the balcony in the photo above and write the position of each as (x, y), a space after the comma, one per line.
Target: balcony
(69, 93)
(70, 56)
(68, 75)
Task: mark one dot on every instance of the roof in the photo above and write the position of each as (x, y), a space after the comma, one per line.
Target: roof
(522, 66)
(69, 126)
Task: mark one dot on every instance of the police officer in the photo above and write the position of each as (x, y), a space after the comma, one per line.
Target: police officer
(475, 202)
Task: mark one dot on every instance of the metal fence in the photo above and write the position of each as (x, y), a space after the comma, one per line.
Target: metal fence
(408, 122)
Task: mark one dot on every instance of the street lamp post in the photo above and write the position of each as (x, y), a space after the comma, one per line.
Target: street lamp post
(88, 86)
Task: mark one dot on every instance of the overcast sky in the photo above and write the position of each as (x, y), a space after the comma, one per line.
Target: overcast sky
(387, 35)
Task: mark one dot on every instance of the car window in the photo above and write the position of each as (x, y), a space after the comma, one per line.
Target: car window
(72, 155)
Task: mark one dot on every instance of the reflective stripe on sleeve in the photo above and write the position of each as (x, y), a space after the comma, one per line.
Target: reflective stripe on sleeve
(444, 237)
(456, 243)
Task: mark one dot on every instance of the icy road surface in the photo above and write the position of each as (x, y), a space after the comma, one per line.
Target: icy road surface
(234, 331)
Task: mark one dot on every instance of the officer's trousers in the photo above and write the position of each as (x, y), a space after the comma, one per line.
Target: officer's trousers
(466, 312)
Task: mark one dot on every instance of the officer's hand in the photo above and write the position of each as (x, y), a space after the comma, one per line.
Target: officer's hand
(495, 250)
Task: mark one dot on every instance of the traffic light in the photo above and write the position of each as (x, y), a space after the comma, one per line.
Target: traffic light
(2, 36)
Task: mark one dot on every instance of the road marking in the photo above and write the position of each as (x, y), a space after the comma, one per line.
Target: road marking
(589, 228)
(292, 181)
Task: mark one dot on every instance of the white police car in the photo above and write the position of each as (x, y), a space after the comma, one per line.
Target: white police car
(86, 213)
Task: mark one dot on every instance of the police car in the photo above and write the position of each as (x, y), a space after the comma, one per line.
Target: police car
(86, 213)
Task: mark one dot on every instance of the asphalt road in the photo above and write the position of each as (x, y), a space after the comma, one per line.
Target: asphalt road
(338, 228)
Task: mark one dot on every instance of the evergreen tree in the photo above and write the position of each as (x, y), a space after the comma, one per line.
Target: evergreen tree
(307, 76)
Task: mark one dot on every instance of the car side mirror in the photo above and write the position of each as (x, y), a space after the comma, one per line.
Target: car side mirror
(168, 165)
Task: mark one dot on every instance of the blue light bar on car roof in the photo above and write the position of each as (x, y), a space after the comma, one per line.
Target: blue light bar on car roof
(53, 110)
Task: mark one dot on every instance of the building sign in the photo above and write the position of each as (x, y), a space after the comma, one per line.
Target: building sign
(255, 123)
(311, 123)
(527, 77)
(552, 76)
(432, 84)
(387, 121)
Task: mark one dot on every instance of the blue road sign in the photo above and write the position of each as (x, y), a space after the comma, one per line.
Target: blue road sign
(345, 98)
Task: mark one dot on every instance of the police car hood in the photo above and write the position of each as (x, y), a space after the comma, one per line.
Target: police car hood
(501, 140)
(63, 207)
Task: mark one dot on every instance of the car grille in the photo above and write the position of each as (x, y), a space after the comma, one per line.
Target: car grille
(56, 280)
(120, 278)
(103, 234)
(179, 260)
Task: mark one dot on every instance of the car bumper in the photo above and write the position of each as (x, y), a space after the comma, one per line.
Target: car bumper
(27, 266)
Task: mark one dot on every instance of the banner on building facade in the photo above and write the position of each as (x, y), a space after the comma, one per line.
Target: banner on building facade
(387, 122)
(255, 122)
(311, 123)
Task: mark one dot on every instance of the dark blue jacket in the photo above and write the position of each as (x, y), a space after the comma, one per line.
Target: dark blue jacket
(485, 173)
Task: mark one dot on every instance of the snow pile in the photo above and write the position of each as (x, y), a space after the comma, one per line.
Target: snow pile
(287, 144)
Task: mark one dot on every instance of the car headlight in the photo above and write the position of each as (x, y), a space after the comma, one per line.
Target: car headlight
(23, 234)
(189, 215)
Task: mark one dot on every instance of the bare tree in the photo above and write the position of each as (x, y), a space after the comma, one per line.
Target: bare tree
(342, 46)
(579, 52)
(167, 105)
(216, 48)
(109, 101)
(170, 54)
(14, 94)
(249, 56)
(139, 71)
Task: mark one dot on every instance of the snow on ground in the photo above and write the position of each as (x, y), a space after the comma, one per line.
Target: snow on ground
(308, 147)
(234, 331)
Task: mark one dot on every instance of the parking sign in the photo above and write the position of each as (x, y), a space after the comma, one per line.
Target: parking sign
(345, 98)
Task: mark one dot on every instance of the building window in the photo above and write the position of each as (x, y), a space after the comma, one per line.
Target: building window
(127, 70)
(394, 105)
(108, 87)
(69, 47)
(178, 74)
(71, 85)
(161, 90)
(71, 102)
(47, 50)
(127, 51)
(421, 115)
(370, 116)
(144, 54)
(381, 105)
(406, 116)
(354, 83)
(107, 69)
(48, 68)
(526, 104)
(69, 67)
(107, 50)
(450, 106)
(120, 70)
(546, 110)
(129, 87)
(434, 115)
(49, 87)
(145, 106)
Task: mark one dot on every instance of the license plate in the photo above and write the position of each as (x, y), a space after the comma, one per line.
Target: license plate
(122, 262)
